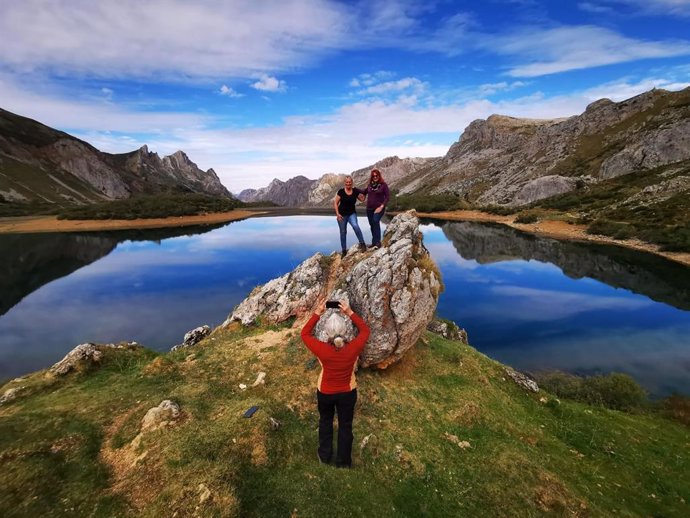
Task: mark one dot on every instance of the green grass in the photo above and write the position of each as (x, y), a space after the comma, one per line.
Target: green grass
(526, 457)
(155, 206)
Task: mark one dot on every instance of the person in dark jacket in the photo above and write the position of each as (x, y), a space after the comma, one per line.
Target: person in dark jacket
(336, 386)
(377, 194)
(345, 212)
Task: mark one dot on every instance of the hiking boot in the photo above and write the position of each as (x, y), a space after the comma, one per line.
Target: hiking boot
(375, 246)
(362, 247)
(343, 253)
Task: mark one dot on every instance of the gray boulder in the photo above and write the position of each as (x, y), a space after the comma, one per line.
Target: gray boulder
(159, 416)
(193, 337)
(394, 289)
(85, 356)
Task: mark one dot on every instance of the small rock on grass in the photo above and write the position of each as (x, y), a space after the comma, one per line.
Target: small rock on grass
(10, 395)
(161, 415)
(522, 380)
(454, 439)
(260, 379)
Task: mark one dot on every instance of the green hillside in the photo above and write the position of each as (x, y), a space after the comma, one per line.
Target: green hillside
(449, 435)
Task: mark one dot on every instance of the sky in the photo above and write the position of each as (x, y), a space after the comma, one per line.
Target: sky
(263, 89)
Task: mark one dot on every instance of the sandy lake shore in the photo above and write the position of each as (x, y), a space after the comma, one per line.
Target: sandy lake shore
(31, 224)
(547, 228)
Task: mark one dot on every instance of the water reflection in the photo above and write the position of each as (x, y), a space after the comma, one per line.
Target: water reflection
(653, 276)
(544, 304)
(532, 303)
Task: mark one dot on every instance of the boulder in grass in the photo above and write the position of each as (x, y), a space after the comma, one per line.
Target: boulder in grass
(84, 356)
(159, 416)
(522, 380)
(193, 337)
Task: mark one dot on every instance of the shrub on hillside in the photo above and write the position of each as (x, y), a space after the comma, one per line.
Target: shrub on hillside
(613, 229)
(427, 203)
(159, 206)
(677, 407)
(616, 390)
(526, 217)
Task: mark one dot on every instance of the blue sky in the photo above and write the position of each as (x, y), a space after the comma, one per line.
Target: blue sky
(271, 89)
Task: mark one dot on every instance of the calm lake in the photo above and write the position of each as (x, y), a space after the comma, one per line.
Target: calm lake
(530, 302)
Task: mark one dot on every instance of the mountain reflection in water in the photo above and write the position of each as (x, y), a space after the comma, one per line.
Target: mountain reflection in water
(640, 272)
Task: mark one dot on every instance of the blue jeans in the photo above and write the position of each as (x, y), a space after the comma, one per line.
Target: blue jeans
(352, 220)
(375, 224)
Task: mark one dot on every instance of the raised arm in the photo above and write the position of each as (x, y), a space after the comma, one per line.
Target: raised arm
(314, 345)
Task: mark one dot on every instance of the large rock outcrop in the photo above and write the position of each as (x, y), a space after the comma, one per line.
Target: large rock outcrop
(510, 161)
(395, 289)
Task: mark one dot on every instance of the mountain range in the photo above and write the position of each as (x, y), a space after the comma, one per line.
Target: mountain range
(39, 163)
(514, 162)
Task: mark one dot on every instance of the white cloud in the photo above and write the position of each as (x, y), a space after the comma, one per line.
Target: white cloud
(66, 112)
(659, 7)
(229, 92)
(548, 51)
(406, 83)
(503, 86)
(268, 83)
(595, 8)
(170, 39)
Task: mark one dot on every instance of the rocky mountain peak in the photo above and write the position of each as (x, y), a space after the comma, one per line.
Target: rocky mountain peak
(394, 289)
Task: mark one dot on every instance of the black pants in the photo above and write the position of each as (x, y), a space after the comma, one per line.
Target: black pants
(344, 404)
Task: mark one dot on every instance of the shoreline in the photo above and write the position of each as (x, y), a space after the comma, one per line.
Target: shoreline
(557, 230)
(546, 228)
(46, 224)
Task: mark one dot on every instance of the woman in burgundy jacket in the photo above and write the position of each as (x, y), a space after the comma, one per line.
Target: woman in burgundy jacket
(336, 386)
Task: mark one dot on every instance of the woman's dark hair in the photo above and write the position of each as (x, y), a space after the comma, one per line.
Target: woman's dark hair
(371, 176)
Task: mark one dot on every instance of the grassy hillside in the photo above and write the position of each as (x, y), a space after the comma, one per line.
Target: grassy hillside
(603, 206)
(67, 444)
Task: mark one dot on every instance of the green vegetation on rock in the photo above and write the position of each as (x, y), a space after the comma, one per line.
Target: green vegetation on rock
(448, 435)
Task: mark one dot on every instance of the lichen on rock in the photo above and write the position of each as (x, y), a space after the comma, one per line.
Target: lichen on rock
(394, 289)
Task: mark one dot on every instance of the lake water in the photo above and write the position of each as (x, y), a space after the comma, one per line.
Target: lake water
(529, 302)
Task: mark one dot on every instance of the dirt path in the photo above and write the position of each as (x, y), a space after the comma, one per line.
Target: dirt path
(556, 230)
(52, 224)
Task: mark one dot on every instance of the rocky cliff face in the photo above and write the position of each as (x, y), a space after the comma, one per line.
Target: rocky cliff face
(292, 193)
(508, 161)
(302, 192)
(395, 289)
(41, 163)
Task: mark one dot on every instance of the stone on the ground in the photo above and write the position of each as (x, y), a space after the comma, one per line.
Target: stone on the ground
(162, 415)
(193, 337)
(86, 355)
(260, 379)
(10, 395)
(522, 380)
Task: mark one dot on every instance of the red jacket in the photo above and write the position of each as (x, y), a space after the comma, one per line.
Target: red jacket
(337, 365)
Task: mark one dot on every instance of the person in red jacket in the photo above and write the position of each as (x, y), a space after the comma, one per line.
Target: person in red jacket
(336, 386)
